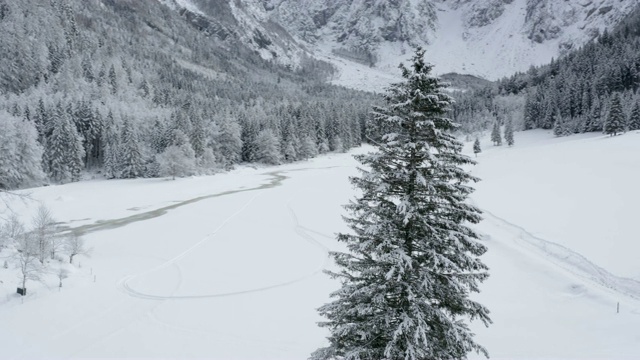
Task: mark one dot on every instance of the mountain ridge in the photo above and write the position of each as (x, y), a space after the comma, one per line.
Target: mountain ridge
(487, 38)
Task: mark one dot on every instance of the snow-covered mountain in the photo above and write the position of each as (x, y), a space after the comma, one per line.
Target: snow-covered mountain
(487, 38)
(490, 38)
(246, 21)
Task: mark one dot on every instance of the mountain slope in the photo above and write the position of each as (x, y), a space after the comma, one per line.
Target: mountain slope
(139, 78)
(489, 38)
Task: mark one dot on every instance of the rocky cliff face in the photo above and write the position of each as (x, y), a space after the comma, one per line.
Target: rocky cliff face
(488, 38)
(539, 29)
(362, 24)
(243, 21)
(549, 19)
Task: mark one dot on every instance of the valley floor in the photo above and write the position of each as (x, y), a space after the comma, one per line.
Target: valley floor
(229, 266)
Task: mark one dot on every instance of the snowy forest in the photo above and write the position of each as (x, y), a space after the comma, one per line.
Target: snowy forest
(126, 89)
(130, 89)
(591, 89)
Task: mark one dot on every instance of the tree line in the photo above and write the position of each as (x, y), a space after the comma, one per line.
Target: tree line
(133, 89)
(591, 89)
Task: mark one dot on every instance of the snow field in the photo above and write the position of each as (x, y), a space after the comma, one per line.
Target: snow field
(197, 280)
(579, 191)
(237, 276)
(563, 285)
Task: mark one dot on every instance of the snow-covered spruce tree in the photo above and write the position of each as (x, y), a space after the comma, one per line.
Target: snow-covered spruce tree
(594, 122)
(131, 162)
(110, 144)
(64, 153)
(615, 119)
(89, 125)
(496, 138)
(634, 118)
(412, 259)
(228, 140)
(198, 136)
(559, 126)
(476, 147)
(508, 133)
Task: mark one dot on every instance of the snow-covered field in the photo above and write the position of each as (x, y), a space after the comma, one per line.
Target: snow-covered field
(563, 250)
(229, 266)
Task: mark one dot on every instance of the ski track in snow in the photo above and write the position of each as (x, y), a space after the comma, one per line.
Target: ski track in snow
(303, 232)
(124, 284)
(569, 259)
(560, 255)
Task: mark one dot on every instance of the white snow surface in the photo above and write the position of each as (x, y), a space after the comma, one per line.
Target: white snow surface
(183, 4)
(238, 275)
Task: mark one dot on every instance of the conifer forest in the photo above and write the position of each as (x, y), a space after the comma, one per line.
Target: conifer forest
(122, 88)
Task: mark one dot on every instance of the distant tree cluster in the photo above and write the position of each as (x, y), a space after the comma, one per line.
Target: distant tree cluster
(577, 93)
(592, 89)
(132, 89)
(481, 108)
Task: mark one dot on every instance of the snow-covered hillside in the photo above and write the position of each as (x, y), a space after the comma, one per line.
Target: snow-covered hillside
(488, 38)
(229, 266)
(246, 22)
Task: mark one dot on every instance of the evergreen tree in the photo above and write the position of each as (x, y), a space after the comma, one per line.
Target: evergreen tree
(496, 138)
(508, 133)
(249, 131)
(64, 153)
(476, 147)
(615, 119)
(229, 141)
(87, 69)
(290, 141)
(559, 128)
(594, 120)
(131, 164)
(549, 116)
(102, 75)
(198, 135)
(90, 127)
(41, 119)
(634, 118)
(289, 151)
(113, 80)
(110, 145)
(531, 112)
(158, 136)
(412, 261)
